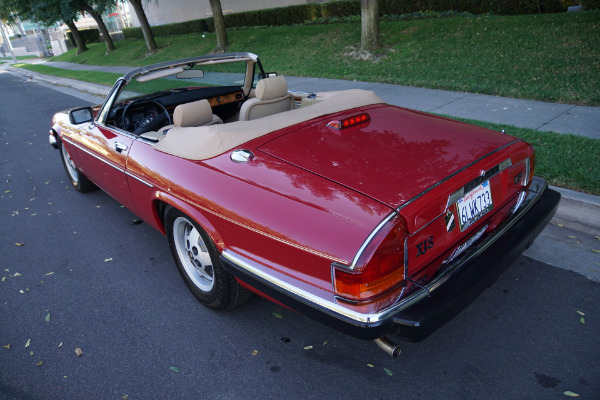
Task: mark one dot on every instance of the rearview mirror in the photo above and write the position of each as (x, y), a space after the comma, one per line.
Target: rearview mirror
(190, 74)
(81, 115)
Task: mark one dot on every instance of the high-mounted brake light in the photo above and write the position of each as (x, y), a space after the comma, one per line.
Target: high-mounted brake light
(350, 121)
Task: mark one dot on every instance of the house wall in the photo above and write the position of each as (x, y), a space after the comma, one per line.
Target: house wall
(166, 12)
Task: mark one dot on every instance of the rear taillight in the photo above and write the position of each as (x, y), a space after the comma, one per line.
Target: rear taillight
(379, 267)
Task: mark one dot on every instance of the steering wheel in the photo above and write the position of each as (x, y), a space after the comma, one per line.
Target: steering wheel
(154, 117)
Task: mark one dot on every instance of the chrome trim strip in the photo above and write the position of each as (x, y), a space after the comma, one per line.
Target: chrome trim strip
(328, 306)
(139, 179)
(538, 185)
(80, 147)
(368, 240)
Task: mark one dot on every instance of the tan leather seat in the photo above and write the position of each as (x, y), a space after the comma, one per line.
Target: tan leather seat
(196, 113)
(272, 97)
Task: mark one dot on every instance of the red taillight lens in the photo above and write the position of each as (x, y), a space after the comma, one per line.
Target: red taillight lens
(379, 268)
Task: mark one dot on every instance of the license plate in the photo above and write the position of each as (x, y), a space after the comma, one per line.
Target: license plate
(474, 205)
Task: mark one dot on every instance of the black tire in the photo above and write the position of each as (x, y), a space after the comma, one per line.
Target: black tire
(199, 264)
(78, 180)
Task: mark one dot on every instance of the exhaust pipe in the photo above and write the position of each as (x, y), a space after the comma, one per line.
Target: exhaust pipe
(391, 348)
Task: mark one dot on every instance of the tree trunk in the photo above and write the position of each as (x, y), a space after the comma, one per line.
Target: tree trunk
(369, 16)
(81, 47)
(141, 14)
(110, 46)
(217, 12)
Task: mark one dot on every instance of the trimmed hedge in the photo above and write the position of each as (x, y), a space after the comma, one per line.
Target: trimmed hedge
(341, 10)
(87, 35)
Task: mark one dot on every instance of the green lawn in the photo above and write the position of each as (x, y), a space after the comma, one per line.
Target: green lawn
(548, 57)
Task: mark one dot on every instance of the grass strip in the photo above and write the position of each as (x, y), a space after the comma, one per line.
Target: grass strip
(547, 57)
(103, 78)
(564, 160)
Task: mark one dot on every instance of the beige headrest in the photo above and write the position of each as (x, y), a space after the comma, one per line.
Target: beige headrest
(196, 113)
(271, 88)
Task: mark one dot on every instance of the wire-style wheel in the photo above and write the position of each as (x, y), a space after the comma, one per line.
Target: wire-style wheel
(199, 264)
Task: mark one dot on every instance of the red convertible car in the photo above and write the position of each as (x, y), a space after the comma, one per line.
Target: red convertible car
(374, 219)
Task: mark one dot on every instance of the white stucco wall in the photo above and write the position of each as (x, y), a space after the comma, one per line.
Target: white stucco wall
(168, 11)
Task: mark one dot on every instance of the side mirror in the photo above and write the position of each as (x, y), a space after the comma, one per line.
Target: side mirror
(81, 115)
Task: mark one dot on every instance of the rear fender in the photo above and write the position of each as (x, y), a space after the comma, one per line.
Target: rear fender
(190, 211)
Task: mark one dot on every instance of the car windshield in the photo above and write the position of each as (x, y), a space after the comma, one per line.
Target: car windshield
(230, 74)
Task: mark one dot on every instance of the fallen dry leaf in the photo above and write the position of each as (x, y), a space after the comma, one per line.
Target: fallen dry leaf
(254, 352)
(580, 313)
(596, 251)
(23, 244)
(581, 320)
(28, 343)
(21, 291)
(78, 352)
(49, 273)
(325, 343)
(560, 225)
(39, 364)
(3, 278)
(17, 274)
(570, 394)
(108, 259)
(47, 316)
(125, 397)
(370, 366)
(308, 347)
(60, 344)
(7, 346)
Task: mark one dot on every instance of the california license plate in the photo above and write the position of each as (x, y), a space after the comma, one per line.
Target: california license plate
(474, 205)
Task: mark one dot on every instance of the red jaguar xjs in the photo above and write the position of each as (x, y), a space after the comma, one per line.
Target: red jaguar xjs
(374, 219)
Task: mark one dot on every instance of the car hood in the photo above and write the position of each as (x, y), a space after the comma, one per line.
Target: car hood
(391, 158)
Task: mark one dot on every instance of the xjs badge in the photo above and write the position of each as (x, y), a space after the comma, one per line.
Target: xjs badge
(450, 222)
(424, 246)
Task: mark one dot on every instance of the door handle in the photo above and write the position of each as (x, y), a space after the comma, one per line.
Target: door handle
(120, 147)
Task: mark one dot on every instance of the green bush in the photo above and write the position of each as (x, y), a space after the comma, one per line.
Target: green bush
(87, 35)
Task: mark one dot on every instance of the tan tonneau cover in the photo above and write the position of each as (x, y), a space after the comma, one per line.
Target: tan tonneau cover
(203, 142)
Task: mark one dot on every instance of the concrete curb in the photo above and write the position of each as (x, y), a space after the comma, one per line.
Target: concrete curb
(578, 211)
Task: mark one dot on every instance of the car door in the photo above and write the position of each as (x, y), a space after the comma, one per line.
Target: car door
(101, 154)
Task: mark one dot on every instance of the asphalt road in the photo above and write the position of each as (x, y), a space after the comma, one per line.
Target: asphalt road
(110, 288)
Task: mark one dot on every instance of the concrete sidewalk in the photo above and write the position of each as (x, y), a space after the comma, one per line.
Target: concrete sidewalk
(542, 116)
(578, 211)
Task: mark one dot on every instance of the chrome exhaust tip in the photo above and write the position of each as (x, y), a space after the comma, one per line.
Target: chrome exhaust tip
(391, 348)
